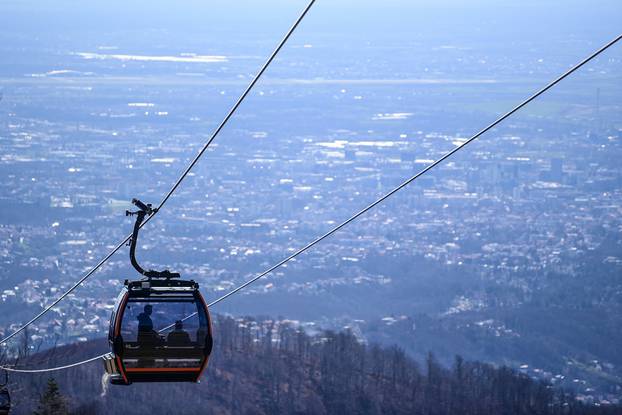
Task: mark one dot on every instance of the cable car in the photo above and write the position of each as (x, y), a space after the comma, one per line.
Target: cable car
(160, 329)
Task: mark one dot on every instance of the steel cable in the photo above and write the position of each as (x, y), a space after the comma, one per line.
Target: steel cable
(178, 182)
(422, 172)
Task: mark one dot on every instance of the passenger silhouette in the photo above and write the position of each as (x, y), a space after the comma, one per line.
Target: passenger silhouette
(178, 337)
(146, 335)
(144, 320)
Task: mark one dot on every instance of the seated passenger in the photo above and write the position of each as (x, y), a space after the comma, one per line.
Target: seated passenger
(178, 337)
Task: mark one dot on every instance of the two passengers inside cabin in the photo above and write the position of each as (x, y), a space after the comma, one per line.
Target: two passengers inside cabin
(163, 333)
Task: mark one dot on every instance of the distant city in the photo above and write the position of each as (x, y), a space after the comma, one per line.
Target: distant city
(489, 256)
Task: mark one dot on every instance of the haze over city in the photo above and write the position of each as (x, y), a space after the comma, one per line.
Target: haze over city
(509, 253)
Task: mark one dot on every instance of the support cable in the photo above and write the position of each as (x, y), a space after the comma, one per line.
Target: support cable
(178, 182)
(410, 180)
(419, 174)
(52, 369)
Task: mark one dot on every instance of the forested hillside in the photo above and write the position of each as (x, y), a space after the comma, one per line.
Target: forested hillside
(270, 367)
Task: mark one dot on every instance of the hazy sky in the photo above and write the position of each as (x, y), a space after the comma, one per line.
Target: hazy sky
(600, 17)
(558, 31)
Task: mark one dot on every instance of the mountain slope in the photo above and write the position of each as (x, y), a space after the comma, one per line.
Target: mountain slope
(267, 367)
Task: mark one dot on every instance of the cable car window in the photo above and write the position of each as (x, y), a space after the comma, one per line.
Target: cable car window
(163, 334)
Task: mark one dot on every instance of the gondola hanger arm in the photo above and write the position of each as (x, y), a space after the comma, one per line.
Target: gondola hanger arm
(144, 210)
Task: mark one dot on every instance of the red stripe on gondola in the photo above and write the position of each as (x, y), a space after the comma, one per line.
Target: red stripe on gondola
(209, 333)
(117, 332)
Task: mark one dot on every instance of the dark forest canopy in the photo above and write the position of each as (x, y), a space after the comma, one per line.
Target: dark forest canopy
(268, 367)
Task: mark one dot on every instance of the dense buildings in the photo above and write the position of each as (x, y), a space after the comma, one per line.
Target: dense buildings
(508, 248)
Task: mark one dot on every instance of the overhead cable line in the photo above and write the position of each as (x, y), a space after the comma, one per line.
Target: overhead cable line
(411, 179)
(53, 369)
(422, 172)
(179, 181)
(383, 198)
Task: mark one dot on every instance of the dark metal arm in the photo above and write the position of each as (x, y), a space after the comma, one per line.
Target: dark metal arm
(145, 210)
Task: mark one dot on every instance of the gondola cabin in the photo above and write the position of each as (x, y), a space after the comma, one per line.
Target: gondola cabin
(160, 331)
